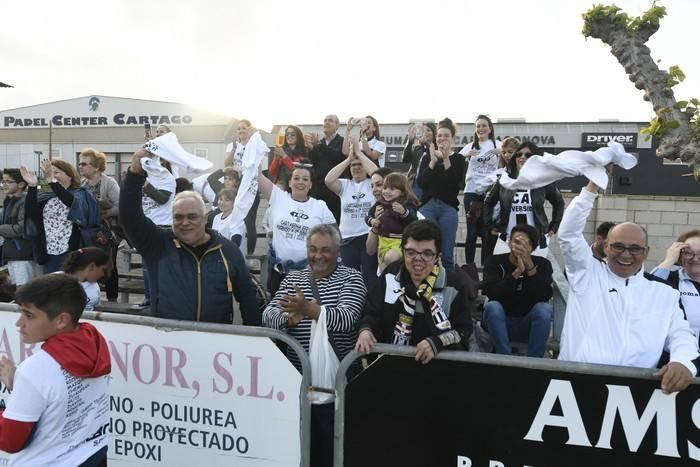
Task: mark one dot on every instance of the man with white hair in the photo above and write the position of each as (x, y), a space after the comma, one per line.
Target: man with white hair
(195, 273)
(326, 153)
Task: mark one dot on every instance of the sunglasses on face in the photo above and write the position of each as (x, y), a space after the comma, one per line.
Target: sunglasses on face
(523, 154)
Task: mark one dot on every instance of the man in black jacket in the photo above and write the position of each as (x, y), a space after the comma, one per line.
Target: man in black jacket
(417, 301)
(518, 286)
(195, 273)
(325, 154)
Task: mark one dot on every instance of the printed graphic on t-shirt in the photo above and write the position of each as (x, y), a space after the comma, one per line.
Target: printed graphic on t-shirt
(291, 228)
(359, 208)
(520, 210)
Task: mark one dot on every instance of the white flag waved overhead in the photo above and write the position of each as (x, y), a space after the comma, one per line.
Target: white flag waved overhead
(254, 151)
(167, 147)
(540, 171)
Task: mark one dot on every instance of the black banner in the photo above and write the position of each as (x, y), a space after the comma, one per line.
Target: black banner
(447, 413)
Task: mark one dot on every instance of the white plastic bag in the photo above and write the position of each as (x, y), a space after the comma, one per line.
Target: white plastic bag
(324, 362)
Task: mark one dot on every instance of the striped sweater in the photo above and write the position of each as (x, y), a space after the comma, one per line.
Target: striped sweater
(342, 293)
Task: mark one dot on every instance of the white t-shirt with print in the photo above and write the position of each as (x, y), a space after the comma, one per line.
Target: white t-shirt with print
(66, 409)
(160, 214)
(291, 220)
(520, 210)
(482, 168)
(356, 199)
(237, 155)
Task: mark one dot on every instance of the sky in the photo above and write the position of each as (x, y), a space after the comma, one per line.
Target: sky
(292, 62)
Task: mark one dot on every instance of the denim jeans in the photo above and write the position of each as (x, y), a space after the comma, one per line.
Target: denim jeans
(446, 217)
(532, 328)
(473, 230)
(353, 252)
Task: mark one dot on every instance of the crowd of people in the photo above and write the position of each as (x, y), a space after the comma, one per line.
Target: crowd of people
(368, 249)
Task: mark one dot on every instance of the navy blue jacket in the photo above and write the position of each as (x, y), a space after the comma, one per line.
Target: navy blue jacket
(181, 285)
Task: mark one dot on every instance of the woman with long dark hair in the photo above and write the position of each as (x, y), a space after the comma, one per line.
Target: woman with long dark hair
(523, 206)
(292, 151)
(481, 156)
(292, 214)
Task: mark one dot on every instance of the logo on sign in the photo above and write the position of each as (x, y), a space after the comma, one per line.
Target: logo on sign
(596, 140)
(94, 103)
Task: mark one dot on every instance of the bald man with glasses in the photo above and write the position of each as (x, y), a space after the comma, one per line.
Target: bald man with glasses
(614, 314)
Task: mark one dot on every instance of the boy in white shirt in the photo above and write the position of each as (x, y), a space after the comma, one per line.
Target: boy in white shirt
(58, 410)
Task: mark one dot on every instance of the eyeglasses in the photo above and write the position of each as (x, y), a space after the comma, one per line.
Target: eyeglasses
(689, 254)
(427, 255)
(521, 154)
(7, 182)
(635, 250)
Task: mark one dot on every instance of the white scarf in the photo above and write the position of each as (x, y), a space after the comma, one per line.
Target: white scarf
(254, 151)
(167, 147)
(540, 171)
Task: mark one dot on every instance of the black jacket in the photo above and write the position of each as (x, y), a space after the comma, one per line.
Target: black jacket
(380, 316)
(517, 296)
(16, 246)
(324, 158)
(551, 193)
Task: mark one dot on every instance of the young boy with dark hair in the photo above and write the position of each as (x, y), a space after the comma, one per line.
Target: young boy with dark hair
(16, 248)
(58, 411)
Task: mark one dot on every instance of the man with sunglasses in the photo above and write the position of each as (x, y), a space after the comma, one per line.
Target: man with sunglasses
(417, 301)
(614, 314)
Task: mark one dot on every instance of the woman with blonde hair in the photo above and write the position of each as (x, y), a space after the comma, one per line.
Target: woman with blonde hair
(105, 189)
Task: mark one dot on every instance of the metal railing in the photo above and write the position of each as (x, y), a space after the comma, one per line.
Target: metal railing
(249, 331)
